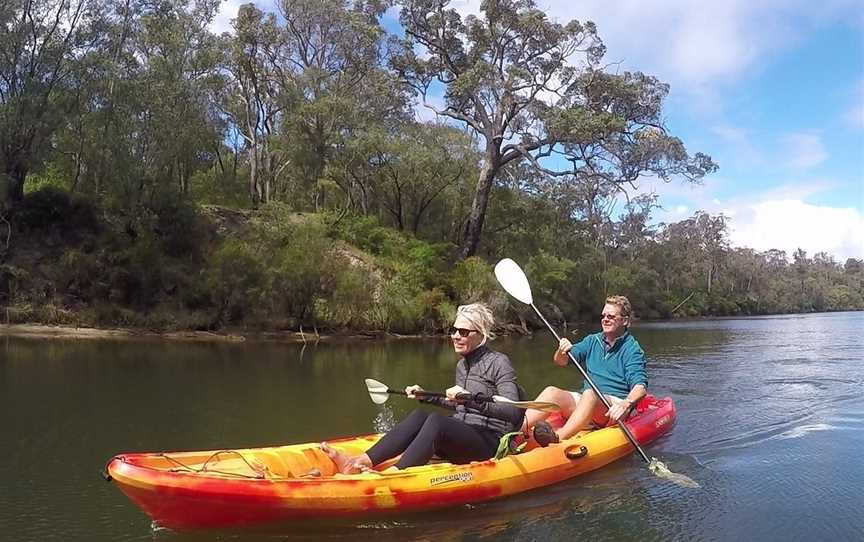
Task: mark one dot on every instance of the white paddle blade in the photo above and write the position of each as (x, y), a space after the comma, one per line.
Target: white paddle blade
(377, 391)
(513, 280)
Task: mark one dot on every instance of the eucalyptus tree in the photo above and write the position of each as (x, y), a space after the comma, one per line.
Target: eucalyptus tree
(713, 243)
(333, 59)
(257, 95)
(143, 123)
(398, 174)
(178, 56)
(535, 90)
(634, 234)
(158, 111)
(40, 45)
(413, 176)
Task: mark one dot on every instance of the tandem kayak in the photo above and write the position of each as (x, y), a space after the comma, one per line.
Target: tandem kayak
(235, 488)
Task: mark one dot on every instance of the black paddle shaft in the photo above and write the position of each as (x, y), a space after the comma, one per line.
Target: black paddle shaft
(461, 397)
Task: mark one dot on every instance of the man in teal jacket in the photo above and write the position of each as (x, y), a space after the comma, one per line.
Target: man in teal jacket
(614, 361)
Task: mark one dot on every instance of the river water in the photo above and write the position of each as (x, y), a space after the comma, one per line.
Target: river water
(771, 424)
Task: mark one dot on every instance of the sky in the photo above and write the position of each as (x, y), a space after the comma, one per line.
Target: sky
(772, 90)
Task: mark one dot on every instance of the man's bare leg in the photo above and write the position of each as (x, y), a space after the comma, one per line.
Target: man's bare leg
(583, 413)
(551, 394)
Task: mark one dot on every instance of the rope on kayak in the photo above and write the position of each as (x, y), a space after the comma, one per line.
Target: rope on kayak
(260, 471)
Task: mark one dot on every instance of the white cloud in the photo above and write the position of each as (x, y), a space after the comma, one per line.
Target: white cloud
(423, 113)
(228, 10)
(698, 47)
(804, 150)
(790, 224)
(778, 218)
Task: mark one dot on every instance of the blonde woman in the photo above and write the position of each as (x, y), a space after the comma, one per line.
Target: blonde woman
(472, 432)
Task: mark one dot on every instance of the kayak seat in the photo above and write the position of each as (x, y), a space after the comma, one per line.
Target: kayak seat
(319, 460)
(306, 462)
(271, 463)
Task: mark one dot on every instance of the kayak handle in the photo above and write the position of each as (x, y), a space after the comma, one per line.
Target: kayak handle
(575, 452)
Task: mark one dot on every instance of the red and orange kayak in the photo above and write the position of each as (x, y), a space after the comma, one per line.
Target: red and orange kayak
(232, 488)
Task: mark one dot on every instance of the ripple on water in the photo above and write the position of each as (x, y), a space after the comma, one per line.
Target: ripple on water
(385, 420)
(800, 431)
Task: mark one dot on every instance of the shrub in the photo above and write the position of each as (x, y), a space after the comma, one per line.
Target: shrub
(472, 280)
(350, 303)
(80, 274)
(52, 208)
(300, 268)
(180, 227)
(235, 277)
(215, 188)
(136, 276)
(11, 278)
(550, 276)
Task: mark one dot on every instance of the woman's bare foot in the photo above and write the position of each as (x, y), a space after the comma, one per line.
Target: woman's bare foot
(347, 464)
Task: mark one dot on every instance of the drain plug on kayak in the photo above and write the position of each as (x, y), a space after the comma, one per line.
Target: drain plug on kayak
(575, 452)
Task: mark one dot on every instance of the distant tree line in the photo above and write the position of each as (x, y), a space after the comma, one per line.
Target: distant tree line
(154, 173)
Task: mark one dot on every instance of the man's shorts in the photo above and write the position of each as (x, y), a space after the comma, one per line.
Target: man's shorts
(599, 418)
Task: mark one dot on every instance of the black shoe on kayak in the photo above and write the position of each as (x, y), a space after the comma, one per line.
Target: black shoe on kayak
(544, 434)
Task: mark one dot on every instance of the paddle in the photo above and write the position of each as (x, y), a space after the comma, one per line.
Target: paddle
(513, 280)
(380, 392)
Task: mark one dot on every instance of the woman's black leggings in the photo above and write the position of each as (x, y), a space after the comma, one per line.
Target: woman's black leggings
(422, 435)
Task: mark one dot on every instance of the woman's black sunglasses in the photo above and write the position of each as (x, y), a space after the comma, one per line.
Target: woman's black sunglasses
(461, 331)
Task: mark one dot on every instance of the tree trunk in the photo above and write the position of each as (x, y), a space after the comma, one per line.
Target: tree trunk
(474, 226)
(12, 185)
(708, 282)
(253, 172)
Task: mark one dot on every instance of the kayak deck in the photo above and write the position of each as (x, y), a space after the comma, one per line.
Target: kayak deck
(225, 488)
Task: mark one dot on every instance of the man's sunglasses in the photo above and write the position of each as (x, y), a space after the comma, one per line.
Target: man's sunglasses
(461, 331)
(609, 316)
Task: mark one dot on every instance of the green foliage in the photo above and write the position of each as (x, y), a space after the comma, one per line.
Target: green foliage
(366, 233)
(235, 279)
(214, 188)
(473, 281)
(51, 209)
(52, 176)
(179, 227)
(550, 276)
(82, 274)
(495, 67)
(299, 269)
(135, 278)
(349, 302)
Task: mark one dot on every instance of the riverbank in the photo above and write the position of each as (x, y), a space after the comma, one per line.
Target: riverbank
(41, 331)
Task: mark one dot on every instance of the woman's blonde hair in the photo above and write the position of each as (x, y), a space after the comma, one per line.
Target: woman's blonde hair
(480, 317)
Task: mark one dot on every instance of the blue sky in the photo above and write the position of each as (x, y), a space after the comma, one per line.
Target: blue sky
(773, 90)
